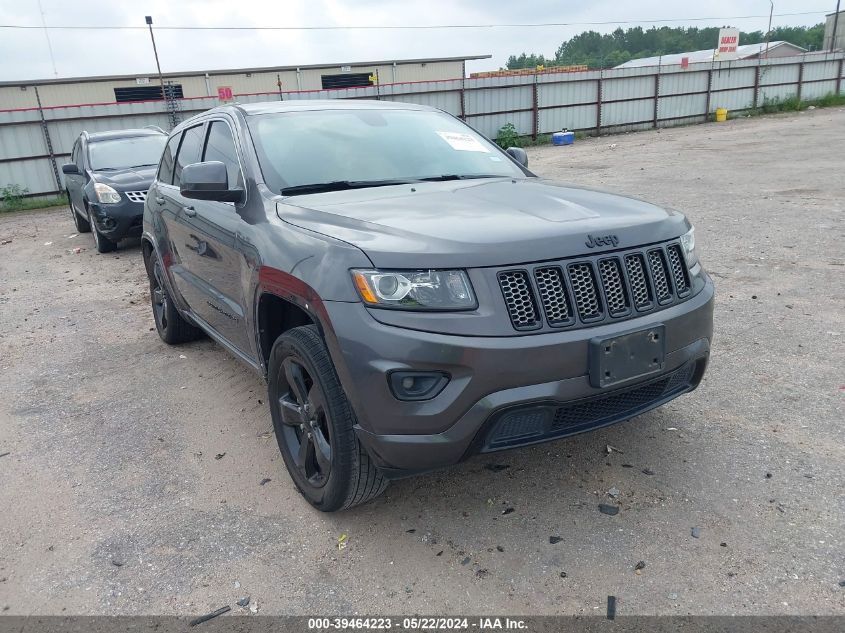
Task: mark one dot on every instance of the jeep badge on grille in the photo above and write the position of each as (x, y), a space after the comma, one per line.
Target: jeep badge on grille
(601, 240)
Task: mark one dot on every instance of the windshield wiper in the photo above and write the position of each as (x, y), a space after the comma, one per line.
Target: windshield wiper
(340, 185)
(460, 177)
(142, 165)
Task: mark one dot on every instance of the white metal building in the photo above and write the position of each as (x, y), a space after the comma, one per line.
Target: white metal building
(746, 51)
(240, 81)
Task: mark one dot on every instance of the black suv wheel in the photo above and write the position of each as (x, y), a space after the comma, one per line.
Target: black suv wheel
(314, 425)
(103, 244)
(172, 326)
(81, 224)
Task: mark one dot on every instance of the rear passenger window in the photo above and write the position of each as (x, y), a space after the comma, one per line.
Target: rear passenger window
(165, 168)
(189, 151)
(221, 146)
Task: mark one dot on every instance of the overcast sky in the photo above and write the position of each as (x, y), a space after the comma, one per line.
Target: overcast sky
(24, 54)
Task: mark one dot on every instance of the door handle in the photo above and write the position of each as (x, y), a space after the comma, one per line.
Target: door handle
(159, 200)
(189, 211)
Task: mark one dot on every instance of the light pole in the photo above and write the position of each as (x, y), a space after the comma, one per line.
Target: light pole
(149, 21)
(47, 35)
(769, 32)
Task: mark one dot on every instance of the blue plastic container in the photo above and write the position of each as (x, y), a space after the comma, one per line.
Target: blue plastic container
(563, 138)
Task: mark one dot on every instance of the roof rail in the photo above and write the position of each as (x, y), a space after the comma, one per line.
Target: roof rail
(154, 127)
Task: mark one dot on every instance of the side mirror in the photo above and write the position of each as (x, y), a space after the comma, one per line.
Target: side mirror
(208, 181)
(70, 168)
(518, 154)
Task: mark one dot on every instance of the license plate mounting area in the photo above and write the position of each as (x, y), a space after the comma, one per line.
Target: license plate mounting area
(618, 359)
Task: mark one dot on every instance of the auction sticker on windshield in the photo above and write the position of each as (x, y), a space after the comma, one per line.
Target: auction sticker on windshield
(463, 142)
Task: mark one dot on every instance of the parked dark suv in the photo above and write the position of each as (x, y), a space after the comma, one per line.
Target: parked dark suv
(107, 182)
(412, 293)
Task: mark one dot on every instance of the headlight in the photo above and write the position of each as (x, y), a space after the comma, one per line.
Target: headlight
(106, 194)
(415, 289)
(688, 246)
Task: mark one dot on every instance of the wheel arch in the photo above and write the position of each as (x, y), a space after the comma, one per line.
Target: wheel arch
(150, 252)
(297, 301)
(276, 315)
(147, 251)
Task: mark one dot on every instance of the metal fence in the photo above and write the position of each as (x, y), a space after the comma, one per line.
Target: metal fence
(34, 142)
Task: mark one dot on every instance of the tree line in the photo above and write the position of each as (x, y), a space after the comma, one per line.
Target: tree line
(598, 50)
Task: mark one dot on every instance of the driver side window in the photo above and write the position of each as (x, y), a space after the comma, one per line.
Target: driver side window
(220, 146)
(189, 151)
(165, 168)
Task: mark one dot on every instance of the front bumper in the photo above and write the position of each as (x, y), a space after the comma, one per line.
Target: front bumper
(501, 383)
(120, 220)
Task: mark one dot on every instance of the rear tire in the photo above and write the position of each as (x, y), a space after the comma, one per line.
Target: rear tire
(170, 324)
(81, 224)
(314, 425)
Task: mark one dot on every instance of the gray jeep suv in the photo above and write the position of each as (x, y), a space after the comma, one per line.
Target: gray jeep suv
(412, 294)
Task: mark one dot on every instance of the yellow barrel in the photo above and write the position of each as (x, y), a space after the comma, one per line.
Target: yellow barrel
(721, 115)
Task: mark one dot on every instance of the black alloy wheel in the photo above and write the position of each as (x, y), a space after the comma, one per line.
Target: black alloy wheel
(306, 430)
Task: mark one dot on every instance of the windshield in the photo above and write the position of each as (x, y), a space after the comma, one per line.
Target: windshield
(359, 147)
(134, 151)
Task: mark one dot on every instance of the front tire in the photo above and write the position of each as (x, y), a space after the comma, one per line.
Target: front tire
(170, 324)
(81, 224)
(314, 425)
(103, 244)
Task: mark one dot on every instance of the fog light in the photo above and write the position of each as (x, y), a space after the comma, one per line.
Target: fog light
(417, 385)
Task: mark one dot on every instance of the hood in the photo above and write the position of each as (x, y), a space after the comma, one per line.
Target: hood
(133, 179)
(494, 222)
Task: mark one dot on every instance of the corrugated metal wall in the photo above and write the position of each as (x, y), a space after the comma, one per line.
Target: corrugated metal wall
(597, 101)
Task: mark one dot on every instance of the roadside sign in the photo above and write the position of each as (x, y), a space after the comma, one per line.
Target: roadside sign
(728, 43)
(224, 93)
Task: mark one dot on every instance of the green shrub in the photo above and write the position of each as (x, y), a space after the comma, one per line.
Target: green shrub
(793, 104)
(508, 136)
(830, 100)
(12, 197)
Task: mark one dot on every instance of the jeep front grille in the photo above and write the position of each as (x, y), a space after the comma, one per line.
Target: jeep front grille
(585, 290)
(553, 295)
(614, 288)
(136, 196)
(592, 290)
(657, 264)
(635, 267)
(520, 299)
(679, 272)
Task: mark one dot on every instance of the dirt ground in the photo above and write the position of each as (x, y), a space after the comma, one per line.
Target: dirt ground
(132, 479)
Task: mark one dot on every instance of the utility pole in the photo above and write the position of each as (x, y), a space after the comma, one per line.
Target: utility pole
(47, 35)
(149, 21)
(170, 103)
(769, 32)
(835, 24)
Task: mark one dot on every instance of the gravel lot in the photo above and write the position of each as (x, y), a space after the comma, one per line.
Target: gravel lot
(132, 480)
